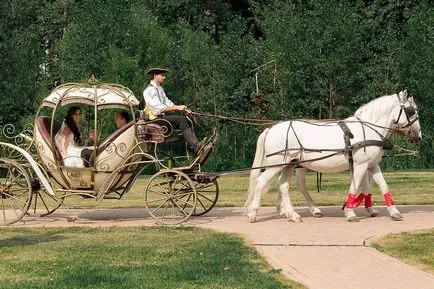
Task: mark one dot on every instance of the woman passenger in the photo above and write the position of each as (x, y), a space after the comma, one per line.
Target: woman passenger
(68, 139)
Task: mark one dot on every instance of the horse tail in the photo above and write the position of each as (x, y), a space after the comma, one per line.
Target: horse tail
(257, 162)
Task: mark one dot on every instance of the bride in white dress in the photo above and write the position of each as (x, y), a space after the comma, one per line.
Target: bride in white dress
(68, 139)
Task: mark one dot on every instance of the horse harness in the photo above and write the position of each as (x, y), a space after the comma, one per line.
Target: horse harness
(348, 150)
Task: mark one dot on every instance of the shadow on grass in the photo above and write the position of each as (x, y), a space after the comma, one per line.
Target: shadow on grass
(30, 239)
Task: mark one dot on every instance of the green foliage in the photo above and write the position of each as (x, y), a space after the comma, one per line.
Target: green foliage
(252, 59)
(319, 52)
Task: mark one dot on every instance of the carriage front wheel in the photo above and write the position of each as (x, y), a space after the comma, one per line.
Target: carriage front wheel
(15, 191)
(170, 197)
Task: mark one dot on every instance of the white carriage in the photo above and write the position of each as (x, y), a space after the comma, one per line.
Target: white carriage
(35, 181)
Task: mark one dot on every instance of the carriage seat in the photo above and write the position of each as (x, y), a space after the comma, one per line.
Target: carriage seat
(156, 132)
(106, 142)
(104, 155)
(43, 124)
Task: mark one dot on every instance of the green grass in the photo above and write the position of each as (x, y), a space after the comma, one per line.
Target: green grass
(136, 257)
(414, 248)
(412, 187)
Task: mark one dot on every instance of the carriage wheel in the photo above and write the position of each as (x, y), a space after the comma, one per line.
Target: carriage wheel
(207, 195)
(15, 191)
(170, 197)
(42, 203)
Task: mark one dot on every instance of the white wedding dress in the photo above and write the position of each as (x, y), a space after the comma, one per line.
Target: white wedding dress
(73, 157)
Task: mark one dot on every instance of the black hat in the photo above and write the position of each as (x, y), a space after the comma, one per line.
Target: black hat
(156, 70)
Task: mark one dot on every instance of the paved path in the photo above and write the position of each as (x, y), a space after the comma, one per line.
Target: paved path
(322, 253)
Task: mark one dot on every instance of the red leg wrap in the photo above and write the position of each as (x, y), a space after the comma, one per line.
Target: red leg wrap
(388, 198)
(359, 199)
(368, 201)
(350, 201)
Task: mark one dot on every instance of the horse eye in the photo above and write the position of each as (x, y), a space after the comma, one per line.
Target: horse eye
(409, 111)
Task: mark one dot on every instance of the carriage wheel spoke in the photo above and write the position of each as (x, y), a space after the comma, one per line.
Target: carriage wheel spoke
(202, 205)
(157, 208)
(35, 202)
(163, 189)
(12, 197)
(207, 195)
(3, 209)
(43, 203)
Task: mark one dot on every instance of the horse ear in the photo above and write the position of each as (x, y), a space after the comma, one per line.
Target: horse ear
(403, 96)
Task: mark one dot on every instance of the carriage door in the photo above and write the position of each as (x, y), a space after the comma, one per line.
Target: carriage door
(78, 178)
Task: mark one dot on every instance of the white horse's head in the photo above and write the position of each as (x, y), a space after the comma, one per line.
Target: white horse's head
(407, 118)
(396, 112)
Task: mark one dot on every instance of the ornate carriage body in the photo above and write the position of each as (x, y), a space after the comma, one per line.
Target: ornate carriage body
(34, 180)
(114, 153)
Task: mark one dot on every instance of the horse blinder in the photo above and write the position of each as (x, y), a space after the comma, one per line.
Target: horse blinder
(409, 111)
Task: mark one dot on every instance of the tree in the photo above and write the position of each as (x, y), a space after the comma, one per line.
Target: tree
(22, 54)
(317, 46)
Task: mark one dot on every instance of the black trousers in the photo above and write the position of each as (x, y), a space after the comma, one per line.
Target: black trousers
(181, 123)
(177, 121)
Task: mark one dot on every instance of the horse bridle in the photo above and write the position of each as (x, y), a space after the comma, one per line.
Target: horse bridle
(409, 111)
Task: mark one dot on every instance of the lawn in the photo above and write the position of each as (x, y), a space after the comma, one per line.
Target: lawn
(163, 257)
(135, 257)
(414, 248)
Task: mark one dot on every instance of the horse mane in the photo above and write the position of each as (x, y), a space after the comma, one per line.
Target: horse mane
(375, 108)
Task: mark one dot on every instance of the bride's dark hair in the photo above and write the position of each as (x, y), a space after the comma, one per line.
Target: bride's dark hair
(71, 124)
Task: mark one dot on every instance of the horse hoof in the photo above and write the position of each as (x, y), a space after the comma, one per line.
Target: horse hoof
(317, 215)
(397, 217)
(297, 220)
(252, 219)
(353, 219)
(372, 212)
(394, 213)
(350, 215)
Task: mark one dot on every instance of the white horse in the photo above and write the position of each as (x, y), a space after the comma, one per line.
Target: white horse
(328, 147)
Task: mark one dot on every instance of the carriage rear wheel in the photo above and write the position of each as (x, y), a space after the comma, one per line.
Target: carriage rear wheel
(42, 203)
(170, 197)
(15, 191)
(207, 195)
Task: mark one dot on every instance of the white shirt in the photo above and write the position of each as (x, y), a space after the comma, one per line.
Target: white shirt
(155, 98)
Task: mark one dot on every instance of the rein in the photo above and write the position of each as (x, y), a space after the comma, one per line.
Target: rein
(265, 122)
(248, 121)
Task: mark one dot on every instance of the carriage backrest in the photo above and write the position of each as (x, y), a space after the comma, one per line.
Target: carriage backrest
(106, 142)
(43, 124)
(113, 150)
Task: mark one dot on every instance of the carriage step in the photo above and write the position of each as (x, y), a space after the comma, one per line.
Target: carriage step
(206, 178)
